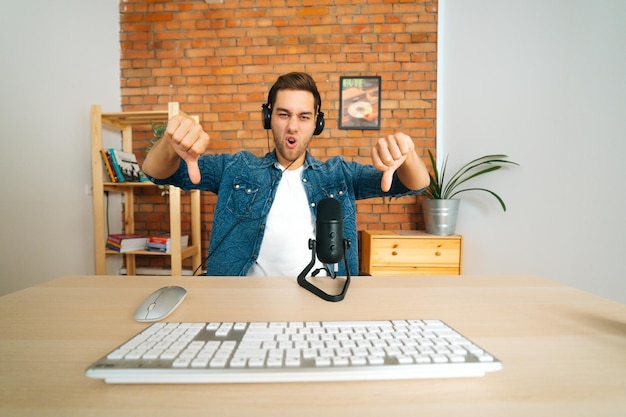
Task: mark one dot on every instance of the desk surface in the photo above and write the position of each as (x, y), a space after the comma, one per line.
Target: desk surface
(563, 350)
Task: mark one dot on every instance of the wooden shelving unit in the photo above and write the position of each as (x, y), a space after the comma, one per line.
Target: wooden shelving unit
(124, 121)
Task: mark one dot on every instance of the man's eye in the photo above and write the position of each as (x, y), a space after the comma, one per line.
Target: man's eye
(283, 115)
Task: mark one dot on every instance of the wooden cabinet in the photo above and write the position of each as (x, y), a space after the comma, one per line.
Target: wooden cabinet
(124, 122)
(409, 252)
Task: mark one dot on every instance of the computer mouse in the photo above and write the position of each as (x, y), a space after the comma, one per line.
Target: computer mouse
(160, 304)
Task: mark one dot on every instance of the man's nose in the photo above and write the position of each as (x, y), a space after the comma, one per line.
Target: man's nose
(292, 124)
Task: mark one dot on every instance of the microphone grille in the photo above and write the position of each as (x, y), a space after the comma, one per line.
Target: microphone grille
(329, 209)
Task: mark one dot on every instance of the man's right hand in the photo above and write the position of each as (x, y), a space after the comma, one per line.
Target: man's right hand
(189, 141)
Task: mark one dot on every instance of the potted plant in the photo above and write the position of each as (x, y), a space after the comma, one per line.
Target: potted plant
(440, 207)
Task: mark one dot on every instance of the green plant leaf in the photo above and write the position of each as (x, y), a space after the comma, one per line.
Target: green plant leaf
(485, 190)
(439, 189)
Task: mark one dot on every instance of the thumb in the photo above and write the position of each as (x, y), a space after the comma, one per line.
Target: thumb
(193, 170)
(385, 182)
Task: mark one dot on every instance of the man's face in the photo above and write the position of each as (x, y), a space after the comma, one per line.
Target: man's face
(293, 124)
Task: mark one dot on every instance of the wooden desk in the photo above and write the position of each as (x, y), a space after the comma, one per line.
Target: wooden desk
(563, 350)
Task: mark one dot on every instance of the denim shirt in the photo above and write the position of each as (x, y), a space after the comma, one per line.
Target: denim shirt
(246, 185)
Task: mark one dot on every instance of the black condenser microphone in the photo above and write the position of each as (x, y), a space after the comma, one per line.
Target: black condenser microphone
(329, 231)
(329, 246)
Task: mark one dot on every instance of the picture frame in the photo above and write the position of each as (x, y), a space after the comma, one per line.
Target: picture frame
(359, 102)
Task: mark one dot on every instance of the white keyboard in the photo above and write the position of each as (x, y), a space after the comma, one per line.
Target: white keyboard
(217, 352)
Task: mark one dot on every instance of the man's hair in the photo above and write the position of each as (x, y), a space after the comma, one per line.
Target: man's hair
(295, 81)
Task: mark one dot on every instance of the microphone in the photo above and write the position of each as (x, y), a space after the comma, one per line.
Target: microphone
(329, 231)
(329, 246)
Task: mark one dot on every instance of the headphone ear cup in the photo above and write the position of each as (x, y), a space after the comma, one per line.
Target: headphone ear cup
(319, 127)
(267, 116)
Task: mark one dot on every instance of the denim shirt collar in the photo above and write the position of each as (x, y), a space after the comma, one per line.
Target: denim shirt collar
(309, 161)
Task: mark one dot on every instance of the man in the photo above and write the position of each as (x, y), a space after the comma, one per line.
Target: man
(266, 207)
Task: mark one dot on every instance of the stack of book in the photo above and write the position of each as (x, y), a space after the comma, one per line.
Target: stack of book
(164, 243)
(121, 166)
(126, 242)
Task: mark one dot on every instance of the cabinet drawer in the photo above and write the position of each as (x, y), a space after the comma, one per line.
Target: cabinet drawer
(394, 271)
(409, 253)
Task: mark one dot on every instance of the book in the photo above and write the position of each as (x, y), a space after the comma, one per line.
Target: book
(118, 237)
(164, 243)
(125, 165)
(126, 242)
(106, 161)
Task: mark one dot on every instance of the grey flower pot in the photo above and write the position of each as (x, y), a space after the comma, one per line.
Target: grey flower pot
(440, 216)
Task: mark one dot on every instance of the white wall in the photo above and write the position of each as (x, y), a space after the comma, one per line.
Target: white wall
(544, 82)
(57, 59)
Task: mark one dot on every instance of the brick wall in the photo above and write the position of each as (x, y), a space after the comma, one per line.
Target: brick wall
(220, 59)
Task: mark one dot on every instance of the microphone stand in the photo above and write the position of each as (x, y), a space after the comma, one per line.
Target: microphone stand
(304, 283)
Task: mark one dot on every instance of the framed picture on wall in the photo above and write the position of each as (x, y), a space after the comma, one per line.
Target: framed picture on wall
(359, 102)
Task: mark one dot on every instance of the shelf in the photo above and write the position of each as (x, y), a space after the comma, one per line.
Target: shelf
(185, 253)
(120, 186)
(124, 121)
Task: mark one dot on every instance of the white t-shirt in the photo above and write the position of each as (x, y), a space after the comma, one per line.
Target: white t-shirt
(285, 247)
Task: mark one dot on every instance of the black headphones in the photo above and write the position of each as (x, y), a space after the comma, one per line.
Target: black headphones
(267, 118)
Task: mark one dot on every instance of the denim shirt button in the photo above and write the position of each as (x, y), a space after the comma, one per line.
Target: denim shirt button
(303, 179)
(340, 192)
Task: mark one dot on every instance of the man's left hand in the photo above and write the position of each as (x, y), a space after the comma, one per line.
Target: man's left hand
(389, 154)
